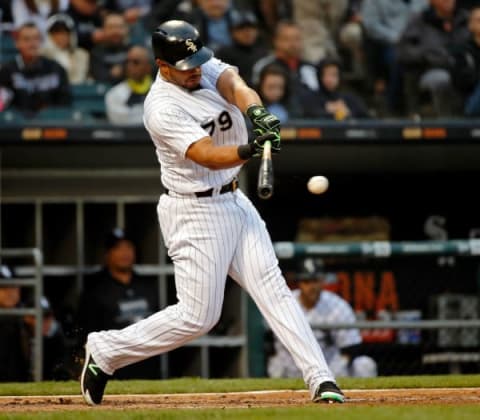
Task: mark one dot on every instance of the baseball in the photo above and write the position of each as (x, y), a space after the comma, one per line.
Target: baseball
(317, 184)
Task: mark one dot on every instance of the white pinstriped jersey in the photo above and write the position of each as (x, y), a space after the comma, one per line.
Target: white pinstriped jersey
(176, 117)
(208, 238)
(330, 308)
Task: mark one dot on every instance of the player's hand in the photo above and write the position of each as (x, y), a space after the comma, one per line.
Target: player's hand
(263, 122)
(259, 143)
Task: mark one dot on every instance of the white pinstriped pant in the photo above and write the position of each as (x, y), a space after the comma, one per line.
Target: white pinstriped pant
(208, 238)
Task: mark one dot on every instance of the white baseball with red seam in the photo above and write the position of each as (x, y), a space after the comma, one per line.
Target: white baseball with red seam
(317, 184)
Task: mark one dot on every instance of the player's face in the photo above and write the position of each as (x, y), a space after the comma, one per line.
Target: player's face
(310, 290)
(188, 79)
(122, 256)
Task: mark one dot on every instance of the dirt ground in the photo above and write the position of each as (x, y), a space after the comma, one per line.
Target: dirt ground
(455, 396)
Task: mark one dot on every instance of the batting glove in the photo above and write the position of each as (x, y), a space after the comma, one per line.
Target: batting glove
(263, 122)
(259, 143)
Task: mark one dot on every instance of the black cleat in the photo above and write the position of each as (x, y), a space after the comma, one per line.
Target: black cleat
(93, 381)
(329, 392)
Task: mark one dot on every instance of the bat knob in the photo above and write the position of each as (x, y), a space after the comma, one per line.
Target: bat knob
(265, 192)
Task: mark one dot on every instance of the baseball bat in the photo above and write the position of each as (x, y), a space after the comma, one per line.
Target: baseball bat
(265, 173)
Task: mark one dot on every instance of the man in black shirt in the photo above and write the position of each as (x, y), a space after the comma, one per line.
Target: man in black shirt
(116, 297)
(32, 82)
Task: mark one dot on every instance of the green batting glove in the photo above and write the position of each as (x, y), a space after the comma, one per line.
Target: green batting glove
(263, 122)
(258, 143)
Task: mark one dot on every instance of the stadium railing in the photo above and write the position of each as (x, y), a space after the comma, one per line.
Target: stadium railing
(36, 282)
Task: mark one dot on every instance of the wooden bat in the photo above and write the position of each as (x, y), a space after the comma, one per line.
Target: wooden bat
(265, 173)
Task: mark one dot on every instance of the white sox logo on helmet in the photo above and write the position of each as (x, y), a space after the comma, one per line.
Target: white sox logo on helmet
(190, 45)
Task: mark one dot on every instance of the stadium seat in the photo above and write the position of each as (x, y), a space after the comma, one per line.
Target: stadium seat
(10, 116)
(62, 114)
(90, 98)
(7, 47)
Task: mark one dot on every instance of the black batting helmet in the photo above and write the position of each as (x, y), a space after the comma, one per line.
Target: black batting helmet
(178, 43)
(310, 268)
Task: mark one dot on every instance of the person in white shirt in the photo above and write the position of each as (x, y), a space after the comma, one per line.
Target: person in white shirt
(341, 347)
(124, 101)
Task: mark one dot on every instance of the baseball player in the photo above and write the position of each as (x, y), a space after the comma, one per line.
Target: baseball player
(194, 114)
(341, 347)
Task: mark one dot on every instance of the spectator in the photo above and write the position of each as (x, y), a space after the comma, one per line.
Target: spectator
(287, 50)
(17, 334)
(274, 91)
(326, 24)
(268, 12)
(466, 71)
(33, 82)
(163, 10)
(132, 10)
(136, 13)
(61, 46)
(54, 341)
(88, 22)
(14, 360)
(425, 50)
(36, 11)
(384, 22)
(116, 297)
(124, 101)
(107, 60)
(212, 19)
(341, 347)
(247, 47)
(331, 101)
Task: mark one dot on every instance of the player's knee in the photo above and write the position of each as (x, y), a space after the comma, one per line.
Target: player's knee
(202, 322)
(364, 367)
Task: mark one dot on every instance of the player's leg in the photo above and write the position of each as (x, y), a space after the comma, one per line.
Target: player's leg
(201, 248)
(255, 268)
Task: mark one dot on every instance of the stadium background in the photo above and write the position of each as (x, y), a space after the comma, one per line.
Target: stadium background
(418, 188)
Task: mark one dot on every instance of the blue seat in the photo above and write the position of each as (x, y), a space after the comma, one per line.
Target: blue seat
(64, 114)
(90, 98)
(8, 50)
(11, 117)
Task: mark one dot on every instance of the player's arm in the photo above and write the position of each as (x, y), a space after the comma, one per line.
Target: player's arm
(205, 153)
(234, 89)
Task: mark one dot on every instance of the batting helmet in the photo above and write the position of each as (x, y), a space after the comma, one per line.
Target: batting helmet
(178, 43)
(310, 269)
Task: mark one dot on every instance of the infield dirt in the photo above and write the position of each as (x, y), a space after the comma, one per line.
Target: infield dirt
(423, 396)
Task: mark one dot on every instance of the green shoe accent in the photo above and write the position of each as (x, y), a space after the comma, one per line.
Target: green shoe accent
(92, 367)
(332, 396)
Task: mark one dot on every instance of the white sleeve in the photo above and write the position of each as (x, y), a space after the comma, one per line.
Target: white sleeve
(211, 71)
(176, 128)
(116, 104)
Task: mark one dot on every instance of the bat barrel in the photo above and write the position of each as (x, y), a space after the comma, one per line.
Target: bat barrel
(265, 174)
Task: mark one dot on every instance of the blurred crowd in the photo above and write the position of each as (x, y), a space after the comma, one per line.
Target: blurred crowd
(323, 59)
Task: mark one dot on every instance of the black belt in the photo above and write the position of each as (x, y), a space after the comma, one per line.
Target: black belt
(230, 187)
